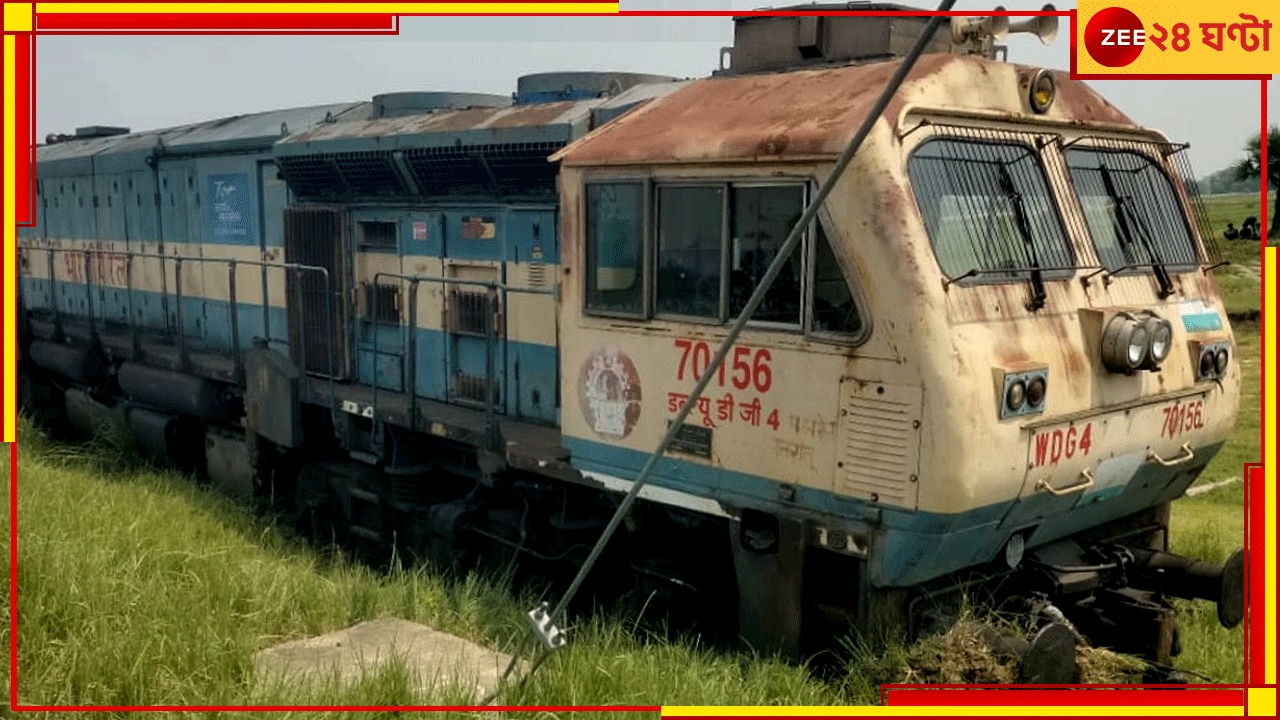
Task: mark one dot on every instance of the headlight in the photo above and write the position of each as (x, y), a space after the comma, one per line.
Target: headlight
(1126, 343)
(1160, 340)
(1043, 90)
(1220, 361)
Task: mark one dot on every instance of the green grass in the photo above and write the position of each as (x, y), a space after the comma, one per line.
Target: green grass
(137, 587)
(1238, 281)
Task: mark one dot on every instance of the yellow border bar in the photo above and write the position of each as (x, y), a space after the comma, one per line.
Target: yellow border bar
(1269, 461)
(477, 8)
(10, 240)
(951, 711)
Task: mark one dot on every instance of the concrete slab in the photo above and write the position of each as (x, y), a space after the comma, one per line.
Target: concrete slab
(441, 665)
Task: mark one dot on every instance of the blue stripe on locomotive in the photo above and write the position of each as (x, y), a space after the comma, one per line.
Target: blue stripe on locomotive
(909, 547)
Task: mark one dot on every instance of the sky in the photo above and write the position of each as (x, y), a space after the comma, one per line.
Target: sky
(148, 82)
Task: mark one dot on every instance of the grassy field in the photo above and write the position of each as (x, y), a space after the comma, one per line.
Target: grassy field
(1239, 280)
(138, 587)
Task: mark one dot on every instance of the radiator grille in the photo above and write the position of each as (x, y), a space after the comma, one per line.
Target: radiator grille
(470, 313)
(313, 236)
(879, 442)
(382, 303)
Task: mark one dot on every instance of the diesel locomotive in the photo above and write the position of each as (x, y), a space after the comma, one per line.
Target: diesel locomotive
(452, 322)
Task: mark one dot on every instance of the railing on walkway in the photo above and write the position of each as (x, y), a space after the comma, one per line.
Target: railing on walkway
(410, 346)
(92, 257)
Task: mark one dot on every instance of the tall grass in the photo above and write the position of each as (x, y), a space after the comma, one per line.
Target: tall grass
(137, 587)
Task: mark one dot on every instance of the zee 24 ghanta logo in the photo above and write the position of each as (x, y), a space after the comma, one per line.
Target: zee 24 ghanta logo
(1115, 37)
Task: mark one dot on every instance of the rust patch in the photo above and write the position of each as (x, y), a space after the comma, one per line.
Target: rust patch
(1077, 101)
(804, 113)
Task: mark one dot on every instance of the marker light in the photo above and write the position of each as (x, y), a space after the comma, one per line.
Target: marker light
(1207, 363)
(1016, 396)
(1214, 359)
(1035, 391)
(1022, 393)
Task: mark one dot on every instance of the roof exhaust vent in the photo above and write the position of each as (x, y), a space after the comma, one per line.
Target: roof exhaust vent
(400, 104)
(562, 86)
(97, 131)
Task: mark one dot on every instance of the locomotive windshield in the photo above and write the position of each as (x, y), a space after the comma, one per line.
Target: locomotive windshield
(1132, 211)
(988, 212)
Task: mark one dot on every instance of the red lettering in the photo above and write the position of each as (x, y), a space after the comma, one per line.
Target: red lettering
(1086, 439)
(762, 374)
(741, 368)
(1055, 447)
(1071, 441)
(773, 420)
(685, 345)
(1042, 444)
(701, 359)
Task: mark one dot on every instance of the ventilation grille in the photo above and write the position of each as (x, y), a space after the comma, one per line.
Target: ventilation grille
(382, 303)
(489, 171)
(313, 237)
(470, 313)
(880, 443)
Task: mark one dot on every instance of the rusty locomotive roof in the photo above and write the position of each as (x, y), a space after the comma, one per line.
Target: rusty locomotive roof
(807, 114)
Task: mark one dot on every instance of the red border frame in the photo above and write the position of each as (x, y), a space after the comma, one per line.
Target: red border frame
(375, 24)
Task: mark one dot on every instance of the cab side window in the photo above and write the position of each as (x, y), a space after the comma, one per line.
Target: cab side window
(762, 218)
(615, 248)
(690, 237)
(698, 251)
(834, 310)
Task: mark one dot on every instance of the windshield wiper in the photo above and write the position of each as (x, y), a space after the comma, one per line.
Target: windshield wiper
(1038, 294)
(1130, 223)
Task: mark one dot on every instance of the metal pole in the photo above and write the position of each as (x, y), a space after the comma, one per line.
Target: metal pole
(784, 254)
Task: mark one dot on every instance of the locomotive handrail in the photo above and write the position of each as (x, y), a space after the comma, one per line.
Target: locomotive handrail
(233, 321)
(1185, 455)
(410, 375)
(1086, 473)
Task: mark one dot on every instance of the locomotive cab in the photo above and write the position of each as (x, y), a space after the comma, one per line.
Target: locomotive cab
(998, 346)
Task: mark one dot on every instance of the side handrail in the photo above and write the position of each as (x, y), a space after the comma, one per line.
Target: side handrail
(492, 290)
(232, 264)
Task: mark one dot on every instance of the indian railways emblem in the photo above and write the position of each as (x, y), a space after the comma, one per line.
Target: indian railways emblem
(609, 390)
